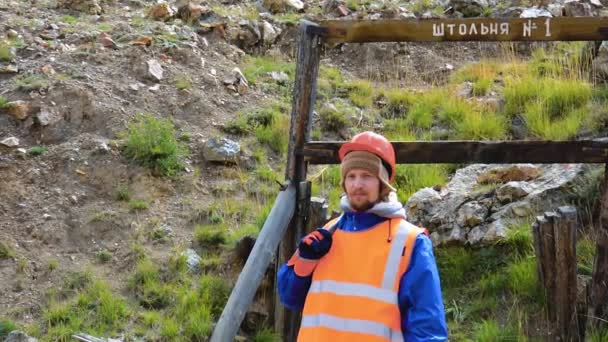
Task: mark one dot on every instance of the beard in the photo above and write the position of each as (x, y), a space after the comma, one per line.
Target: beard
(361, 205)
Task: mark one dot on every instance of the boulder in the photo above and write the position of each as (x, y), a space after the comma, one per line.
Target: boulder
(469, 8)
(10, 142)
(481, 201)
(19, 336)
(513, 191)
(20, 110)
(221, 150)
(575, 8)
(193, 260)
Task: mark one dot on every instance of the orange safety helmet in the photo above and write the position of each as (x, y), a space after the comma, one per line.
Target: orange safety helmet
(373, 143)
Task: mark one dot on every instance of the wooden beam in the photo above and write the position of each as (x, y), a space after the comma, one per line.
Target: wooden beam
(249, 279)
(471, 29)
(486, 152)
(307, 68)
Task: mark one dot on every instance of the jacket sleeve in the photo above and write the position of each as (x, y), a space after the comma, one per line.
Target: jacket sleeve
(420, 299)
(292, 288)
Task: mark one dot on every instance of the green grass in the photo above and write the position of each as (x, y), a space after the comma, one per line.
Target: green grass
(152, 143)
(492, 331)
(257, 69)
(31, 82)
(6, 326)
(68, 19)
(183, 82)
(95, 309)
(332, 119)
(585, 254)
(210, 235)
(124, 193)
(3, 102)
(276, 135)
(519, 239)
(411, 178)
(6, 251)
(481, 125)
(103, 256)
(36, 150)
(266, 335)
(538, 120)
(6, 53)
(361, 93)
(138, 205)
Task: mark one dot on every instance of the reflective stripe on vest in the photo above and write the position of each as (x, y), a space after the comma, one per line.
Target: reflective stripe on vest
(352, 325)
(353, 289)
(392, 262)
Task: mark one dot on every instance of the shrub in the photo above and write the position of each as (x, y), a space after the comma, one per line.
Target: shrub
(123, 193)
(6, 53)
(183, 82)
(138, 205)
(421, 115)
(210, 235)
(6, 327)
(361, 93)
(152, 143)
(275, 136)
(539, 122)
(215, 292)
(332, 119)
(481, 125)
(104, 256)
(36, 150)
(5, 251)
(3, 102)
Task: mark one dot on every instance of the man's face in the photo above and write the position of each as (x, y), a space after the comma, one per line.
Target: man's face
(362, 189)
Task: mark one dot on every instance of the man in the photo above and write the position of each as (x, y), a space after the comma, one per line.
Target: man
(368, 275)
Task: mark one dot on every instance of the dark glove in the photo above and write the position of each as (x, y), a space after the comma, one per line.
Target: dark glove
(315, 245)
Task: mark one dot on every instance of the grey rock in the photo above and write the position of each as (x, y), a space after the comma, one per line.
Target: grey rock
(279, 76)
(19, 336)
(497, 230)
(469, 8)
(46, 116)
(521, 209)
(10, 142)
(575, 8)
(269, 33)
(513, 191)
(471, 214)
(221, 150)
(556, 10)
(476, 235)
(535, 13)
(295, 4)
(421, 203)
(155, 71)
(193, 260)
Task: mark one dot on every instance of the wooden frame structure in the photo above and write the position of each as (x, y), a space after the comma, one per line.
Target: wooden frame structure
(302, 151)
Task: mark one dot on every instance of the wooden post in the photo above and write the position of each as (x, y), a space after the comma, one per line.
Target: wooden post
(255, 267)
(304, 92)
(317, 213)
(555, 245)
(597, 314)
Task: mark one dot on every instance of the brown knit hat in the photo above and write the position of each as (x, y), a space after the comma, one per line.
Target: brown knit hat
(369, 162)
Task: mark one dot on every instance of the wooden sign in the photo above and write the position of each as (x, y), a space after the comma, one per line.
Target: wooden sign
(474, 29)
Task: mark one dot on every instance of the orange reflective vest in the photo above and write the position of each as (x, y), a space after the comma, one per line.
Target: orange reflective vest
(354, 291)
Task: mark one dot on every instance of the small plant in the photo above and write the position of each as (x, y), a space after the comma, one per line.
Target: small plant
(266, 335)
(138, 205)
(519, 239)
(32, 82)
(361, 93)
(210, 236)
(275, 136)
(52, 264)
(6, 252)
(183, 82)
(152, 143)
(68, 19)
(523, 279)
(103, 256)
(3, 102)
(124, 193)
(257, 69)
(332, 119)
(6, 327)
(6, 52)
(481, 125)
(36, 150)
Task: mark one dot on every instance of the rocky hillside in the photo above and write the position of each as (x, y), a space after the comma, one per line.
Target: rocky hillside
(141, 142)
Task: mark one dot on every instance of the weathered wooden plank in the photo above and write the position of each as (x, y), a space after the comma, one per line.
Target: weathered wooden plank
(307, 69)
(470, 29)
(564, 226)
(548, 262)
(597, 316)
(249, 279)
(487, 152)
(317, 213)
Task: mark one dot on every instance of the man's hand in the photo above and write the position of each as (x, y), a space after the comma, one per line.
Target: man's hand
(311, 248)
(315, 245)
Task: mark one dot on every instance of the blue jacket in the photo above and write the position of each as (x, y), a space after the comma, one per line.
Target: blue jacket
(420, 300)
